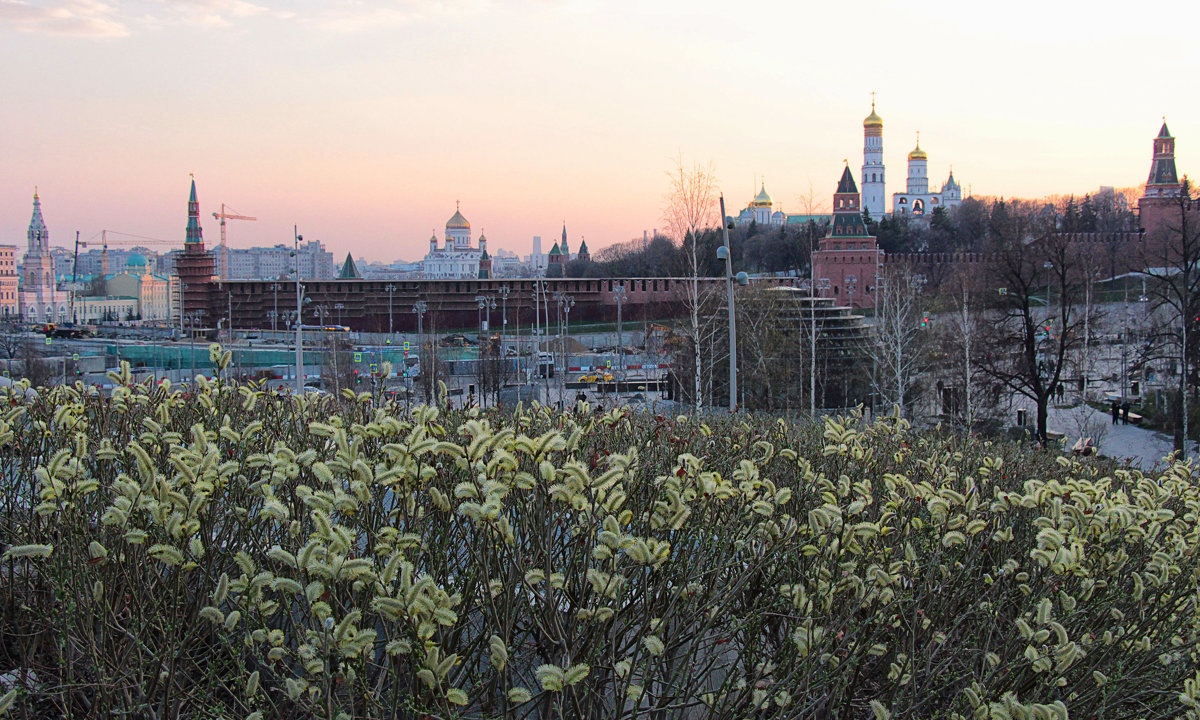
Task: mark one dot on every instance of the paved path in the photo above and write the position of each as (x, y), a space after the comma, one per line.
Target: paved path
(1138, 446)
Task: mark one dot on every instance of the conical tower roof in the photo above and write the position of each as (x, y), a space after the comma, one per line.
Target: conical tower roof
(555, 251)
(1164, 132)
(349, 269)
(37, 222)
(846, 184)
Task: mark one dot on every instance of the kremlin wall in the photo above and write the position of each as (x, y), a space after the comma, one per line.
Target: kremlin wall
(846, 264)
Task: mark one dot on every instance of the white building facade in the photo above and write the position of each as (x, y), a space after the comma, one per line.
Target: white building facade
(40, 299)
(762, 211)
(917, 201)
(874, 195)
(456, 260)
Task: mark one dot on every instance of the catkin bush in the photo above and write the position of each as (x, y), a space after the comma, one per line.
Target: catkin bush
(237, 554)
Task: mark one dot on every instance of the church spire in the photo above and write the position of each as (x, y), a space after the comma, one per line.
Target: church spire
(194, 232)
(39, 237)
(563, 247)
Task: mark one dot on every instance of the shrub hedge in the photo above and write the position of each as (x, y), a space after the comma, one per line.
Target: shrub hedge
(234, 554)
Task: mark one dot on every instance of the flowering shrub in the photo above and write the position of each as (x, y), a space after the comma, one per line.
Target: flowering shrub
(238, 554)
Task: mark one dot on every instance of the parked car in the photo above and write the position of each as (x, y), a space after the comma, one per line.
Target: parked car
(596, 376)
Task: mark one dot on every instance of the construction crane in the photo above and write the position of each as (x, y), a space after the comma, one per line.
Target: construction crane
(135, 241)
(223, 216)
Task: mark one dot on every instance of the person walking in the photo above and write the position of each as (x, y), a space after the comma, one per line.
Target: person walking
(1125, 413)
(1116, 412)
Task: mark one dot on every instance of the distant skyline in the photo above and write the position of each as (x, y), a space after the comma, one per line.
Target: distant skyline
(364, 121)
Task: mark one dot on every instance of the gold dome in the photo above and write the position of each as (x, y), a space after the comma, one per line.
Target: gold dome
(458, 222)
(873, 121)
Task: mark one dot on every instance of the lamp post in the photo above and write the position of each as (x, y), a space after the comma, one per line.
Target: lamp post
(486, 305)
(742, 279)
(391, 289)
(275, 314)
(819, 287)
(192, 318)
(565, 303)
(339, 307)
(620, 295)
(296, 238)
(503, 291)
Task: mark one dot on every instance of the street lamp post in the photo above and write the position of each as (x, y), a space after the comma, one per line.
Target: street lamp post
(339, 307)
(620, 295)
(275, 314)
(503, 291)
(419, 308)
(486, 305)
(296, 238)
(742, 279)
(391, 289)
(819, 287)
(565, 303)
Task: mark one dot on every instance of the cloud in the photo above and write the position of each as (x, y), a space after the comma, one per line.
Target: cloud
(93, 18)
(354, 16)
(79, 18)
(207, 13)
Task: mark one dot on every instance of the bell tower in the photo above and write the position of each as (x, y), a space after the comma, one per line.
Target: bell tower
(873, 192)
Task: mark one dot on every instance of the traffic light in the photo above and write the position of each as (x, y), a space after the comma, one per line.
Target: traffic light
(925, 321)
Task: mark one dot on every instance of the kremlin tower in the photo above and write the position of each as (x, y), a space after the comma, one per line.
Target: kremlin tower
(848, 257)
(194, 266)
(1161, 199)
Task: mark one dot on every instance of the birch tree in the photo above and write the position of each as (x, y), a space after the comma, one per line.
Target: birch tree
(691, 208)
(899, 342)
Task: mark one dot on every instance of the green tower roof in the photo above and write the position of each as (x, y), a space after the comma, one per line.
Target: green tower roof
(349, 269)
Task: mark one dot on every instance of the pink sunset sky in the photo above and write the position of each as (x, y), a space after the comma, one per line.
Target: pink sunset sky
(364, 121)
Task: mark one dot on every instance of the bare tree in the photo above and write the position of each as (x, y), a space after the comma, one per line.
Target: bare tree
(35, 367)
(10, 345)
(690, 209)
(1029, 335)
(899, 338)
(1172, 264)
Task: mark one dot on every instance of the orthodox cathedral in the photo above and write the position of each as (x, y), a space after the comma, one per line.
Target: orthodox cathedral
(456, 259)
(917, 200)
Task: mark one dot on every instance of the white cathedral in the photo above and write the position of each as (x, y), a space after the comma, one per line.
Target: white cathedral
(916, 200)
(456, 259)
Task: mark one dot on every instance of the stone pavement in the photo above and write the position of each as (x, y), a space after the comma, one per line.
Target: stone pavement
(1139, 447)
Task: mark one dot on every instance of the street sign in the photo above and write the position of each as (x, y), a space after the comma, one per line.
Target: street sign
(372, 366)
(47, 339)
(357, 357)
